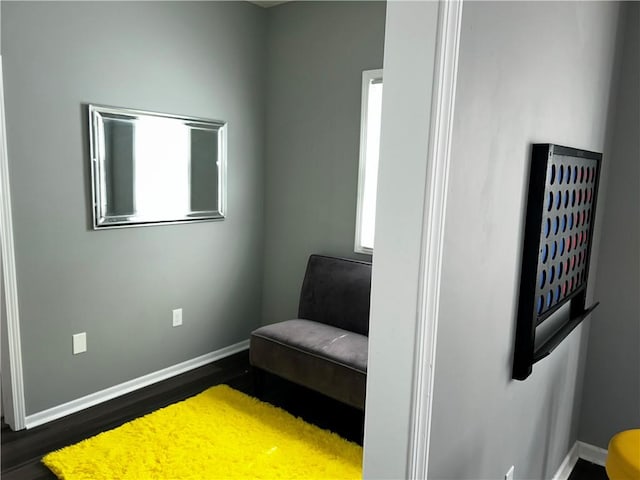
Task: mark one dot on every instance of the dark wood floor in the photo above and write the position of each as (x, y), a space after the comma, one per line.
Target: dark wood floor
(588, 471)
(21, 451)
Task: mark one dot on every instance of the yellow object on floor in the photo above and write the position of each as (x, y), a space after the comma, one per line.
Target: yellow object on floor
(623, 457)
(218, 434)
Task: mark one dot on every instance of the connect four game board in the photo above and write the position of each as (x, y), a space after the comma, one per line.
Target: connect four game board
(563, 187)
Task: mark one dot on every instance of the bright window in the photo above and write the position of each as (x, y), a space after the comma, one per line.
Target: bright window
(369, 153)
(161, 173)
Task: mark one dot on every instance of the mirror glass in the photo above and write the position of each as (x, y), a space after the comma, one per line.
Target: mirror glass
(149, 168)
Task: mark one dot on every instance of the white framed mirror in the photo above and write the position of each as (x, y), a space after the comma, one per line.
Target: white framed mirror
(152, 168)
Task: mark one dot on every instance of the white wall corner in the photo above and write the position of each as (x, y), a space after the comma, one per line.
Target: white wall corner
(443, 101)
(12, 379)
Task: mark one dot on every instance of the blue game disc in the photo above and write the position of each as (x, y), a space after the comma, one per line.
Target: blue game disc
(560, 271)
(540, 303)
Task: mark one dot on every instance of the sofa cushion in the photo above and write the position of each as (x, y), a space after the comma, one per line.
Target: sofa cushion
(322, 357)
(336, 291)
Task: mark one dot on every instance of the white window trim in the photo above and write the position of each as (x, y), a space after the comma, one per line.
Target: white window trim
(367, 77)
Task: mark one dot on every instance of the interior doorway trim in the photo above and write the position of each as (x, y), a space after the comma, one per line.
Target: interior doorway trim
(443, 101)
(12, 380)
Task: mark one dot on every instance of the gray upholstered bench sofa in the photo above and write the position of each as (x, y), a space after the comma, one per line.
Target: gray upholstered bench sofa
(326, 347)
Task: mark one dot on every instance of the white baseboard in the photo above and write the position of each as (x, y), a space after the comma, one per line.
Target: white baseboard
(568, 463)
(581, 450)
(110, 393)
(592, 453)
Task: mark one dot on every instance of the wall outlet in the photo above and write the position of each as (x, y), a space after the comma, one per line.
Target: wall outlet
(509, 474)
(79, 343)
(177, 317)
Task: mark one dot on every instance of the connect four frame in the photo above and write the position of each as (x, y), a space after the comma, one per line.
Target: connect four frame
(561, 205)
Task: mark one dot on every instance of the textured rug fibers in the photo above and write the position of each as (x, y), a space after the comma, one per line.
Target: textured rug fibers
(218, 434)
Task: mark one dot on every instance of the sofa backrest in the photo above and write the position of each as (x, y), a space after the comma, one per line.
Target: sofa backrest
(336, 291)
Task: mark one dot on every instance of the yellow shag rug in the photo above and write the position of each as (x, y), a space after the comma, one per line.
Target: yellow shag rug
(218, 434)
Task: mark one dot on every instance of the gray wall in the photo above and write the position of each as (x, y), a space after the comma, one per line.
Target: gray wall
(528, 72)
(316, 54)
(611, 396)
(200, 59)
